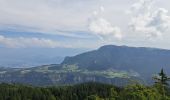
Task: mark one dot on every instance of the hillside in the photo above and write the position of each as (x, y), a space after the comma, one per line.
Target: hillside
(145, 61)
(118, 65)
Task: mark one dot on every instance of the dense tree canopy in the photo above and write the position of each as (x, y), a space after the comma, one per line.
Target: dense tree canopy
(88, 91)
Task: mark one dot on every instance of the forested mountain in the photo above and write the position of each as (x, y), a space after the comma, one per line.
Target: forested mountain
(143, 60)
(118, 65)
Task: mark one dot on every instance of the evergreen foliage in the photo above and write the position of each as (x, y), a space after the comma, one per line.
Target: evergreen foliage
(88, 91)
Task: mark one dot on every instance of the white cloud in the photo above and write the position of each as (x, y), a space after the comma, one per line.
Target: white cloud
(23, 42)
(48, 16)
(44, 16)
(103, 28)
(146, 19)
(160, 19)
(70, 18)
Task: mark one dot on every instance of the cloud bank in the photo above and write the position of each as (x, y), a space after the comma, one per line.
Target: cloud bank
(22, 42)
(149, 20)
(103, 28)
(72, 21)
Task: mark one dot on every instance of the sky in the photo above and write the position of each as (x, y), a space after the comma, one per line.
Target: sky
(84, 23)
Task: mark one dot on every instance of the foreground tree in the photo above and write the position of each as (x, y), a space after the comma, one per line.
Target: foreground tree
(162, 78)
(139, 92)
(161, 82)
(93, 97)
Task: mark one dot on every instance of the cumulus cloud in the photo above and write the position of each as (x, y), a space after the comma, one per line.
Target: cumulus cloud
(102, 27)
(27, 42)
(148, 20)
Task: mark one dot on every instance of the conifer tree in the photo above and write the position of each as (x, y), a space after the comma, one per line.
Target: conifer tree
(162, 78)
(162, 81)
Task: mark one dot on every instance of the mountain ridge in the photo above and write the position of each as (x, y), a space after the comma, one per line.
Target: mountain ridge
(146, 62)
(111, 64)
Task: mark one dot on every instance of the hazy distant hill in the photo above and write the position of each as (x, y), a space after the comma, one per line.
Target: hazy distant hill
(29, 57)
(118, 65)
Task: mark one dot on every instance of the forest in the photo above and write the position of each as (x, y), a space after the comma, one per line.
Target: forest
(89, 91)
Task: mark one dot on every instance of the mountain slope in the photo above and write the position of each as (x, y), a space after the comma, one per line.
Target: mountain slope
(119, 65)
(143, 60)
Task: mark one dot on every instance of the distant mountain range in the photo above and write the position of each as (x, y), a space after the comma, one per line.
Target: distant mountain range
(117, 65)
(30, 57)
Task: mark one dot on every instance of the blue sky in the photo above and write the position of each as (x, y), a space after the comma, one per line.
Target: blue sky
(84, 23)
